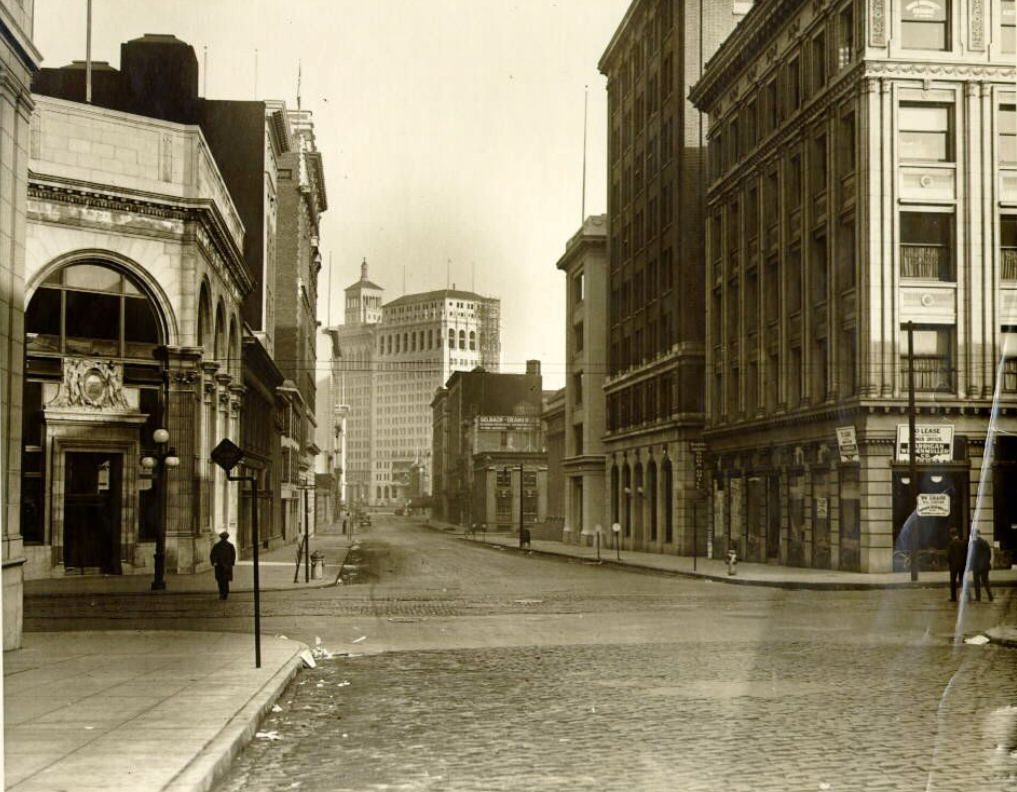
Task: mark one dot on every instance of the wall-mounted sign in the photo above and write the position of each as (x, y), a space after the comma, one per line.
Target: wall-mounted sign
(933, 443)
(933, 504)
(699, 461)
(847, 443)
(822, 508)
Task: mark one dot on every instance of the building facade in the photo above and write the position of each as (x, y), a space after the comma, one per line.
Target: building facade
(393, 356)
(489, 441)
(302, 200)
(863, 178)
(330, 432)
(134, 282)
(654, 387)
(18, 61)
(585, 267)
(553, 426)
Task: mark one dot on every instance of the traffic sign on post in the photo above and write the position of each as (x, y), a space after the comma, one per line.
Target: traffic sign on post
(227, 454)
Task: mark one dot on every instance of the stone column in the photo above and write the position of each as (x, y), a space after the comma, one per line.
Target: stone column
(182, 422)
(207, 468)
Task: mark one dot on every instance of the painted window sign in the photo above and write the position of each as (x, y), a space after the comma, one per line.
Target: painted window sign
(925, 11)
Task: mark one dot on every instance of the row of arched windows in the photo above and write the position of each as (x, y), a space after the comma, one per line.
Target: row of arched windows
(418, 341)
(634, 497)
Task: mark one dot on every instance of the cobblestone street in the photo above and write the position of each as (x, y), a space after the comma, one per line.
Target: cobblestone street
(722, 689)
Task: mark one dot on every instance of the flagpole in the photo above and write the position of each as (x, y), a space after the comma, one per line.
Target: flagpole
(88, 52)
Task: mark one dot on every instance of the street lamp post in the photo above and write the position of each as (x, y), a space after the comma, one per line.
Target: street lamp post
(162, 460)
(616, 527)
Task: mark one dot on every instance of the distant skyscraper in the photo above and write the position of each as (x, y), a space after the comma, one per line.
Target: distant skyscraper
(393, 358)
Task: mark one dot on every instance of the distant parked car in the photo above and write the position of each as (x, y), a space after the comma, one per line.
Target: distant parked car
(365, 519)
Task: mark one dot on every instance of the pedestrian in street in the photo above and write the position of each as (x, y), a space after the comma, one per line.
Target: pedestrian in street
(981, 561)
(957, 558)
(223, 557)
(524, 537)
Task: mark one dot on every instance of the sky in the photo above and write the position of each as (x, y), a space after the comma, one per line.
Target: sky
(451, 131)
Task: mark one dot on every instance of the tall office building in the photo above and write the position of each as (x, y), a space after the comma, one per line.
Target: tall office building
(654, 387)
(393, 357)
(863, 176)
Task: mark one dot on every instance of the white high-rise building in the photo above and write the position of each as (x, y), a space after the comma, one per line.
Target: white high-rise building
(393, 358)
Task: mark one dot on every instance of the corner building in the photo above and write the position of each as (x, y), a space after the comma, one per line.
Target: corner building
(654, 387)
(863, 175)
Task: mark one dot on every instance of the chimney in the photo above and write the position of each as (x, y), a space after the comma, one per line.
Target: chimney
(533, 367)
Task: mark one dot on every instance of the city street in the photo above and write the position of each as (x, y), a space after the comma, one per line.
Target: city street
(460, 666)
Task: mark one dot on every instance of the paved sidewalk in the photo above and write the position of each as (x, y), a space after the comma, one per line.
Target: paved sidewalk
(138, 711)
(275, 572)
(716, 570)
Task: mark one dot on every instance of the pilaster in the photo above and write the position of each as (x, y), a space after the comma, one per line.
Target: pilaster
(183, 391)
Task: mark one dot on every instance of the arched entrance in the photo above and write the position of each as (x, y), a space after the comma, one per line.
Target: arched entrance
(92, 396)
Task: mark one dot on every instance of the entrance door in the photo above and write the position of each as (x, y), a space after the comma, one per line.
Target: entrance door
(92, 511)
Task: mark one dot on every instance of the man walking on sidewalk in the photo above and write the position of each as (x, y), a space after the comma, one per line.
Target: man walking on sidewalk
(981, 561)
(223, 557)
(957, 558)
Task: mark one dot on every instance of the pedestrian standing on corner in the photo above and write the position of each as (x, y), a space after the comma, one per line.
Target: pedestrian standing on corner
(223, 557)
(981, 562)
(957, 558)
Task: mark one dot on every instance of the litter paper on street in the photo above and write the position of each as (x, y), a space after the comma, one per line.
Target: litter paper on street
(976, 640)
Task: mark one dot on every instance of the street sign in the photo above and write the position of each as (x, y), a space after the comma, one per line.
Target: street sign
(933, 504)
(933, 443)
(847, 443)
(699, 461)
(227, 454)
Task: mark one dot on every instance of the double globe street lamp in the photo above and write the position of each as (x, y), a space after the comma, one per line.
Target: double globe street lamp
(162, 460)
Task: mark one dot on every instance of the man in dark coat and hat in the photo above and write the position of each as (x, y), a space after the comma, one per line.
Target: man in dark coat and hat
(981, 562)
(223, 557)
(957, 558)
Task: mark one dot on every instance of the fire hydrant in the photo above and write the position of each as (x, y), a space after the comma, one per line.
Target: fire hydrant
(732, 561)
(317, 565)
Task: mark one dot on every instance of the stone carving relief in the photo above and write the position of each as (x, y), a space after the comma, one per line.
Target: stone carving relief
(92, 384)
(877, 16)
(977, 24)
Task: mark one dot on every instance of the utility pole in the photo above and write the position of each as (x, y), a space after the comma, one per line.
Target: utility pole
(912, 453)
(520, 504)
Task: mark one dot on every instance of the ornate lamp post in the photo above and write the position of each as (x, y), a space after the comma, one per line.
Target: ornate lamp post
(164, 459)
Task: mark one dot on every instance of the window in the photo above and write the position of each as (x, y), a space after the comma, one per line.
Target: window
(846, 256)
(794, 85)
(793, 183)
(577, 389)
(473, 341)
(819, 62)
(451, 338)
(819, 363)
(794, 280)
(817, 165)
(1008, 247)
(577, 439)
(1007, 135)
(933, 357)
(846, 145)
(1008, 25)
(926, 244)
(926, 132)
(1008, 354)
(819, 267)
(925, 24)
(578, 334)
(848, 355)
(846, 37)
(772, 107)
(578, 286)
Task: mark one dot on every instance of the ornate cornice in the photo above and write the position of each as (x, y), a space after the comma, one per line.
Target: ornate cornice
(213, 236)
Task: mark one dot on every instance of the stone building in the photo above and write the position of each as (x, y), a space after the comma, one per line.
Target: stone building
(489, 442)
(393, 357)
(552, 420)
(584, 265)
(301, 202)
(18, 60)
(134, 282)
(330, 432)
(654, 386)
(863, 176)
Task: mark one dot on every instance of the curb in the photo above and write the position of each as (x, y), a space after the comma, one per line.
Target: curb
(209, 767)
(1003, 636)
(789, 585)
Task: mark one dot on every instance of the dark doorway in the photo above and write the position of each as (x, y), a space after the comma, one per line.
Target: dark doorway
(92, 512)
(773, 517)
(1005, 505)
(850, 521)
(933, 531)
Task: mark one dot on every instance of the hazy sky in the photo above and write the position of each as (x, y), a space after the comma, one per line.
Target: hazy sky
(449, 129)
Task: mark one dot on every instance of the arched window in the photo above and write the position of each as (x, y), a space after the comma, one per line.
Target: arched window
(388, 343)
(668, 502)
(473, 341)
(413, 342)
(614, 493)
(381, 345)
(93, 309)
(637, 492)
(462, 339)
(651, 486)
(451, 338)
(627, 500)
(406, 343)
